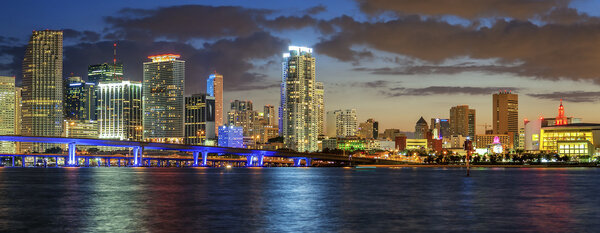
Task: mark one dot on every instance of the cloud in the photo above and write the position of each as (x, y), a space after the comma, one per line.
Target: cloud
(82, 36)
(443, 90)
(570, 96)
(187, 22)
(374, 84)
(438, 69)
(315, 10)
(468, 9)
(549, 51)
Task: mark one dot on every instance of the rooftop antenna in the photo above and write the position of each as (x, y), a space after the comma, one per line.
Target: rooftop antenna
(115, 61)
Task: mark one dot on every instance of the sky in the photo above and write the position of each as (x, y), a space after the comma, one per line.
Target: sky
(392, 60)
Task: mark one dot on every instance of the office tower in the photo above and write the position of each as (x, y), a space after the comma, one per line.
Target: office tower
(80, 99)
(42, 109)
(299, 118)
(7, 112)
(319, 95)
(421, 129)
(243, 115)
(269, 115)
(342, 123)
(199, 119)
(18, 105)
(505, 113)
(214, 87)
(120, 110)
(440, 128)
(105, 72)
(368, 129)
(462, 121)
(231, 136)
(163, 88)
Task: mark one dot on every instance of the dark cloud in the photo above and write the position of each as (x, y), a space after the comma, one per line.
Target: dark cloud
(570, 96)
(230, 57)
(550, 51)
(374, 84)
(469, 9)
(290, 22)
(438, 69)
(187, 22)
(82, 36)
(315, 10)
(8, 40)
(443, 90)
(14, 57)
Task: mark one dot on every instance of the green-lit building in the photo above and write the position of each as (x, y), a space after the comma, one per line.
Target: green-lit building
(105, 72)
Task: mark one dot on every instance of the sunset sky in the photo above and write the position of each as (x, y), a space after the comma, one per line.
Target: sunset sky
(392, 60)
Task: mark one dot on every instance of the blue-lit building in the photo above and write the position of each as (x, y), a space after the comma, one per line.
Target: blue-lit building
(231, 136)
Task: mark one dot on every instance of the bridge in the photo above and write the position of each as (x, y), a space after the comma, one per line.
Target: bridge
(253, 157)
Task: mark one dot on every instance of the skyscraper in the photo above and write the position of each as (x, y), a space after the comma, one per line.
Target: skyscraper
(163, 88)
(342, 123)
(42, 109)
(7, 112)
(80, 99)
(214, 87)
(242, 114)
(269, 115)
(105, 72)
(319, 95)
(505, 113)
(299, 110)
(421, 129)
(462, 121)
(120, 110)
(368, 129)
(199, 119)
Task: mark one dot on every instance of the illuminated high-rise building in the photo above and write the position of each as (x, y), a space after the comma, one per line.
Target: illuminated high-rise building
(163, 88)
(299, 111)
(214, 87)
(42, 109)
(120, 110)
(462, 121)
(561, 119)
(320, 95)
(368, 129)
(242, 114)
(7, 112)
(269, 115)
(105, 72)
(505, 113)
(421, 129)
(342, 123)
(199, 119)
(80, 99)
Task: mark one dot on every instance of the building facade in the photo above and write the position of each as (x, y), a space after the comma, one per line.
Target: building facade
(231, 136)
(80, 99)
(320, 98)
(421, 129)
(342, 123)
(574, 140)
(462, 121)
(214, 87)
(270, 115)
(299, 111)
(199, 119)
(120, 110)
(163, 89)
(42, 109)
(8, 112)
(368, 129)
(105, 72)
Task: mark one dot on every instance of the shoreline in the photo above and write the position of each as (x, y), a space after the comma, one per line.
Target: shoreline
(479, 166)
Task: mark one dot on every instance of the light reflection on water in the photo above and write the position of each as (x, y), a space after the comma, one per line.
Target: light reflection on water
(298, 200)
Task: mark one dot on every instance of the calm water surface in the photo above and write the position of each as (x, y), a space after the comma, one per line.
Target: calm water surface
(298, 200)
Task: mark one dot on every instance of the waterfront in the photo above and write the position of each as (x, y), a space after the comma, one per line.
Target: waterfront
(298, 199)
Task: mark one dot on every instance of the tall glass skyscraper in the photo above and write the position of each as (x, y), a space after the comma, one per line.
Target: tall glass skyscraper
(43, 88)
(163, 88)
(299, 105)
(199, 119)
(80, 99)
(120, 110)
(214, 88)
(105, 72)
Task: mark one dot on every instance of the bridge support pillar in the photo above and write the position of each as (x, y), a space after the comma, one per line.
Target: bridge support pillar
(87, 162)
(107, 162)
(261, 160)
(196, 155)
(13, 161)
(118, 162)
(204, 158)
(308, 162)
(22, 161)
(137, 156)
(71, 161)
(297, 162)
(249, 160)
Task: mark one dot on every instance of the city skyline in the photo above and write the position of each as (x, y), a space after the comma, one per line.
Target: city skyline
(427, 85)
